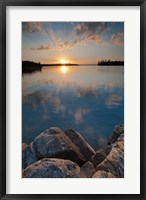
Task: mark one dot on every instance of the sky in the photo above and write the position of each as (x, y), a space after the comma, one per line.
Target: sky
(72, 42)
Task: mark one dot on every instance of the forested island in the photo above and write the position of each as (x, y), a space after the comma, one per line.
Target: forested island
(30, 66)
(109, 62)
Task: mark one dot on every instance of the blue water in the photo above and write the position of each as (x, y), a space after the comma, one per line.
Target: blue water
(89, 99)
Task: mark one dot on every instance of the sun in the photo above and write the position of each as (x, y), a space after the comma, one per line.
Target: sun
(63, 61)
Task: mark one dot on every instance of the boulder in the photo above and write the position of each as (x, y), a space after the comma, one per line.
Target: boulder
(87, 170)
(55, 154)
(114, 162)
(53, 143)
(108, 149)
(98, 157)
(119, 129)
(86, 150)
(103, 174)
(52, 168)
(28, 155)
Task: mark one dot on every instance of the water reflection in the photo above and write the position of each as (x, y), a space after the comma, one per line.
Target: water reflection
(90, 99)
(64, 69)
(79, 114)
(113, 100)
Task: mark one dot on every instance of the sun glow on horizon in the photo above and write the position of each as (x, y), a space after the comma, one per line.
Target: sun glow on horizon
(63, 61)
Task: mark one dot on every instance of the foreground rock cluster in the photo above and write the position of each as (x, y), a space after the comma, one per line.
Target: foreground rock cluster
(58, 154)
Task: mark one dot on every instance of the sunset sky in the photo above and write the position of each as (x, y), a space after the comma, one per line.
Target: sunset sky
(73, 42)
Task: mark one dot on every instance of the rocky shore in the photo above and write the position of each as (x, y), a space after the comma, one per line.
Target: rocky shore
(58, 154)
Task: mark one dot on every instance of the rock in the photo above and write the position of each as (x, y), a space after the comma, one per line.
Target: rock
(120, 143)
(103, 174)
(117, 135)
(119, 129)
(88, 170)
(28, 155)
(114, 162)
(55, 154)
(98, 157)
(52, 168)
(53, 143)
(86, 150)
(108, 149)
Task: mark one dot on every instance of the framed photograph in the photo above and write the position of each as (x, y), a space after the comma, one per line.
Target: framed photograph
(72, 99)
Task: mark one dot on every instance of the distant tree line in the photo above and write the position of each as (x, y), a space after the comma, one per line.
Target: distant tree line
(109, 62)
(59, 64)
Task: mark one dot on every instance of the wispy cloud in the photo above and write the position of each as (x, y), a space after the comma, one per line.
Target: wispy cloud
(59, 44)
(43, 47)
(118, 38)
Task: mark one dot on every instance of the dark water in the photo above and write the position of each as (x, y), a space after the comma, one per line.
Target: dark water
(89, 99)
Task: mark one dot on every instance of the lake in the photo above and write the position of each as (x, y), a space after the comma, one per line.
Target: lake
(86, 98)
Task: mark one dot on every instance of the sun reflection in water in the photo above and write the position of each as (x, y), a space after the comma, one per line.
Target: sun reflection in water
(64, 69)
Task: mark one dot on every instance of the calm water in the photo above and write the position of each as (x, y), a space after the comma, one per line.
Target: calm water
(89, 99)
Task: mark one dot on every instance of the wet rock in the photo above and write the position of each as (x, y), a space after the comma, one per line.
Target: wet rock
(119, 129)
(86, 150)
(103, 174)
(114, 162)
(28, 155)
(88, 170)
(98, 157)
(52, 168)
(53, 143)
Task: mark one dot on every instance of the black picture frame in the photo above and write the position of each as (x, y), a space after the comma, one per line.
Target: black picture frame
(3, 99)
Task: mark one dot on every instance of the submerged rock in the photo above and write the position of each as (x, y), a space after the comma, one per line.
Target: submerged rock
(52, 168)
(53, 143)
(86, 150)
(28, 155)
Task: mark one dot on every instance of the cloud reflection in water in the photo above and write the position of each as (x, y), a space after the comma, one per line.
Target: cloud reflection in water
(88, 99)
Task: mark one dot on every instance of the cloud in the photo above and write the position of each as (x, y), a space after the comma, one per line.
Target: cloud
(61, 45)
(83, 32)
(94, 37)
(58, 44)
(88, 27)
(118, 38)
(43, 47)
(32, 27)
